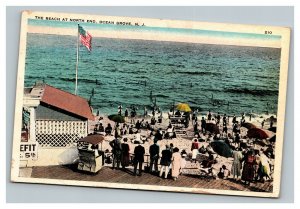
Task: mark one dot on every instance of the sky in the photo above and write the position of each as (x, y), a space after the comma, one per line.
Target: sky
(155, 33)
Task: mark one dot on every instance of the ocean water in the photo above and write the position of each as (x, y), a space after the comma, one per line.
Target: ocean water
(225, 79)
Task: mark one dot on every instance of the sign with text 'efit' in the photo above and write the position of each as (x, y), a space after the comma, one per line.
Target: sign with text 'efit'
(28, 151)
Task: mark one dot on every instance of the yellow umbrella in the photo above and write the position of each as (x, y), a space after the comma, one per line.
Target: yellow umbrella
(183, 107)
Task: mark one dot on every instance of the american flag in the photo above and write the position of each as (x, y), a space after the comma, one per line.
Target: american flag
(85, 38)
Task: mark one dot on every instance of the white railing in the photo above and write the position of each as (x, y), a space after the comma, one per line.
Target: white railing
(59, 133)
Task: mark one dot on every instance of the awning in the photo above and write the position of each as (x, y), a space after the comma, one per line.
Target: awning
(93, 139)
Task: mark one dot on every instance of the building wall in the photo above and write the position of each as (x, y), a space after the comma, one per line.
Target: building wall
(56, 133)
(53, 156)
(44, 112)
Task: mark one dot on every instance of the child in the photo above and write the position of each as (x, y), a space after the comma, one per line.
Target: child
(107, 157)
(223, 173)
(183, 161)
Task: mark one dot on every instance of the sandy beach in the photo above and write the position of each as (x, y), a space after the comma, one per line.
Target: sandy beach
(184, 142)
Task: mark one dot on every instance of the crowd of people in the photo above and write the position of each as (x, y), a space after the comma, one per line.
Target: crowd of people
(248, 164)
(256, 166)
(169, 159)
(134, 129)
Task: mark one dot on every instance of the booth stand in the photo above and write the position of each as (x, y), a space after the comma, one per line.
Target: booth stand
(90, 158)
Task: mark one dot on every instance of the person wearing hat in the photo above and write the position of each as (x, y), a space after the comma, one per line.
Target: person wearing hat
(125, 154)
(176, 163)
(154, 156)
(117, 152)
(165, 161)
(139, 152)
(248, 168)
(236, 164)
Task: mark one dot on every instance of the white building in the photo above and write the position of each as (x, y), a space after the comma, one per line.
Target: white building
(57, 120)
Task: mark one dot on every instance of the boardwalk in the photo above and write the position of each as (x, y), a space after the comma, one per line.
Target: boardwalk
(106, 174)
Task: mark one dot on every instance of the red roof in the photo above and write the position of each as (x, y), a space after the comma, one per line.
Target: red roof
(67, 101)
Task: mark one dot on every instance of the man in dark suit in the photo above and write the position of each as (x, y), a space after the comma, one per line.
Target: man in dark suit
(117, 152)
(154, 155)
(139, 152)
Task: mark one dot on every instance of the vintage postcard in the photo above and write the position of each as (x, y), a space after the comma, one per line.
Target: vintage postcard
(150, 104)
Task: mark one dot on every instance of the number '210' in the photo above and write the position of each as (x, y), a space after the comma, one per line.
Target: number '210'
(268, 32)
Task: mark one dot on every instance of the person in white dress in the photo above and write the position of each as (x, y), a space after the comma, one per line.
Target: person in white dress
(236, 164)
(176, 163)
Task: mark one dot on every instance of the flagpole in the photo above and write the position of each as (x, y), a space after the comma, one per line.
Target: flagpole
(77, 59)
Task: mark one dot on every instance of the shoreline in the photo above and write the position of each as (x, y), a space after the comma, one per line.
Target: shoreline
(256, 118)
